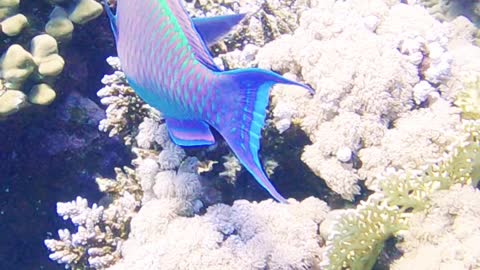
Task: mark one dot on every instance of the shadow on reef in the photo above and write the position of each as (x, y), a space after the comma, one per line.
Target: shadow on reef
(51, 154)
(291, 177)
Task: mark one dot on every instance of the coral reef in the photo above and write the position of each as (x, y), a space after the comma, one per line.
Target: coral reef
(402, 69)
(242, 236)
(426, 193)
(385, 213)
(125, 109)
(447, 10)
(266, 20)
(28, 77)
(383, 112)
(450, 241)
(100, 230)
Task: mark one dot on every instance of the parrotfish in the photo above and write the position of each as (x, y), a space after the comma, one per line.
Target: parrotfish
(165, 57)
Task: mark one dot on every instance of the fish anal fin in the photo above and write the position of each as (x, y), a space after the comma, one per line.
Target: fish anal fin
(211, 29)
(189, 132)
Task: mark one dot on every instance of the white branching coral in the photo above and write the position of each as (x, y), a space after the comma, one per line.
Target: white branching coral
(99, 233)
(243, 236)
(100, 229)
(125, 109)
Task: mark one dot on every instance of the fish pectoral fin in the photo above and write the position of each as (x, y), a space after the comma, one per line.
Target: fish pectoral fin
(189, 132)
(211, 29)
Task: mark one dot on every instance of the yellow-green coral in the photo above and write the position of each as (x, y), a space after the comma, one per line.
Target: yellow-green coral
(359, 235)
(469, 100)
(460, 166)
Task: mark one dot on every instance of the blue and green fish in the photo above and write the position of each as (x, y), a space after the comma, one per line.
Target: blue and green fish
(165, 57)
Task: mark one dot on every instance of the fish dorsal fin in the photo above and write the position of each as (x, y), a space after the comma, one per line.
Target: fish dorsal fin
(112, 17)
(212, 29)
(199, 48)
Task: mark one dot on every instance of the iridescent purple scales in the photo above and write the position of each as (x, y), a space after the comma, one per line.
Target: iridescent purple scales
(165, 57)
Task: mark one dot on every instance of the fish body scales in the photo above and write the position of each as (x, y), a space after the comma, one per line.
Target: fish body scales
(166, 61)
(158, 58)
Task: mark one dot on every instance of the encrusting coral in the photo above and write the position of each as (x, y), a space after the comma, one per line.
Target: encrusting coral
(42, 64)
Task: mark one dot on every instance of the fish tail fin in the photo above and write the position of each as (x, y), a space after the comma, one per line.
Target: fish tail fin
(246, 94)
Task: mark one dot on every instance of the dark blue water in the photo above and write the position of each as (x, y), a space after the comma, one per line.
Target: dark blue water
(51, 154)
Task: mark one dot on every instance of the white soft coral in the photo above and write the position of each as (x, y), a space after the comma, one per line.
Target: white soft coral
(370, 65)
